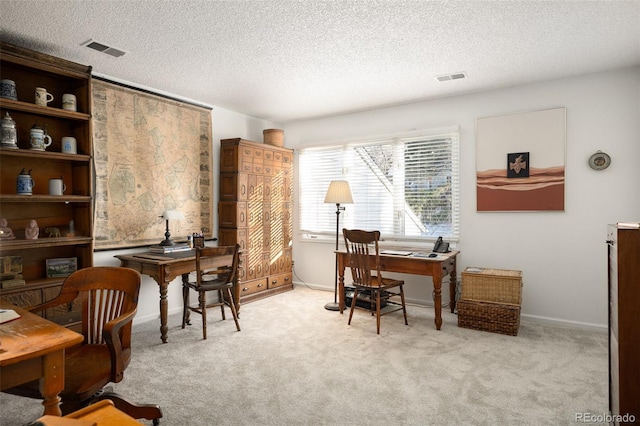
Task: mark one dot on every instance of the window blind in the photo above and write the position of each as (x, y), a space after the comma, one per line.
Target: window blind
(405, 187)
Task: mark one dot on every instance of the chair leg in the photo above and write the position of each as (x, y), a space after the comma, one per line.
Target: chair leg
(404, 308)
(137, 411)
(185, 306)
(202, 298)
(221, 300)
(378, 291)
(233, 309)
(353, 304)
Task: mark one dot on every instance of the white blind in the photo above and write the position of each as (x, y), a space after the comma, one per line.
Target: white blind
(405, 187)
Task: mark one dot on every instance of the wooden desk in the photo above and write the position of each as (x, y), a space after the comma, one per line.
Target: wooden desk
(437, 268)
(164, 268)
(32, 348)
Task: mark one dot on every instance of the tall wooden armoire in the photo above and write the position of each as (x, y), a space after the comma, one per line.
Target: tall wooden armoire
(624, 321)
(255, 211)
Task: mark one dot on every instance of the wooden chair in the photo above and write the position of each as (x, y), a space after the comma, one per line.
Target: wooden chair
(364, 262)
(216, 270)
(109, 300)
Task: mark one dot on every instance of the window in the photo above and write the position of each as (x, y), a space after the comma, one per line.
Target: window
(407, 187)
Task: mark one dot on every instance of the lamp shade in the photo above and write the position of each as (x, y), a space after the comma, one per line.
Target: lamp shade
(339, 193)
(173, 215)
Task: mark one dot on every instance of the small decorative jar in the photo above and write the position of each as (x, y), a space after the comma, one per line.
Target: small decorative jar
(9, 133)
(25, 183)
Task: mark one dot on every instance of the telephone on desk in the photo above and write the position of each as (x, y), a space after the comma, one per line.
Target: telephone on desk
(440, 246)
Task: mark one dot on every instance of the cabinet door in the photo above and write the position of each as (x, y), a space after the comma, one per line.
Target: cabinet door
(228, 158)
(233, 186)
(233, 236)
(232, 214)
(255, 185)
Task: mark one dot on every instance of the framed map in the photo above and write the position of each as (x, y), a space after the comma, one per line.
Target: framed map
(152, 154)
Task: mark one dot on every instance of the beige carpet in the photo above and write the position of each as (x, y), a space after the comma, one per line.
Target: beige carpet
(295, 363)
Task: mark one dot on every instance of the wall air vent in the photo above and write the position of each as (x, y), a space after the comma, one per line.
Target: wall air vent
(455, 76)
(101, 47)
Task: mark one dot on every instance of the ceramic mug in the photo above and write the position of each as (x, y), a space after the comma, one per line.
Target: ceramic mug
(25, 184)
(56, 187)
(38, 138)
(8, 89)
(69, 102)
(69, 145)
(42, 97)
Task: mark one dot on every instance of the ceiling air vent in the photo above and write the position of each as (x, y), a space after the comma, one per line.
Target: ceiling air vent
(101, 47)
(455, 76)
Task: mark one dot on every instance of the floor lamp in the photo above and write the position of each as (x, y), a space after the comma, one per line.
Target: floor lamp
(338, 193)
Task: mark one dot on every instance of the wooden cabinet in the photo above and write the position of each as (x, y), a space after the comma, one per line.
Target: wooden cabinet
(624, 323)
(72, 213)
(255, 212)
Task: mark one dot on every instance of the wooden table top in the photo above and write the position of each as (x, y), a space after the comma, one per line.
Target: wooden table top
(31, 336)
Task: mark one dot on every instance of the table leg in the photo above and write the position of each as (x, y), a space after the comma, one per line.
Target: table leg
(53, 382)
(164, 308)
(185, 298)
(453, 285)
(437, 301)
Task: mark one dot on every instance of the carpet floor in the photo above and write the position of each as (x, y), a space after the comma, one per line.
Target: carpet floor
(295, 363)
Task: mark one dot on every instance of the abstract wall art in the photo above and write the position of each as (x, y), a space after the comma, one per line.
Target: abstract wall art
(520, 161)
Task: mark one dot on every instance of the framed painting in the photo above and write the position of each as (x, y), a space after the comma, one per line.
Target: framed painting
(520, 161)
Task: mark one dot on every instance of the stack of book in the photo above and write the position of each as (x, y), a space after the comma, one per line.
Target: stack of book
(11, 272)
(169, 249)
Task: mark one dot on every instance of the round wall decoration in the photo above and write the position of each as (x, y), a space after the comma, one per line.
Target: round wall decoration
(599, 161)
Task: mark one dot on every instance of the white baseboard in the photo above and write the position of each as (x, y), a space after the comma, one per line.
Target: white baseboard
(524, 317)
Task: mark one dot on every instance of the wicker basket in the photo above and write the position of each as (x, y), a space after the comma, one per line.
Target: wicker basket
(273, 137)
(492, 285)
(503, 318)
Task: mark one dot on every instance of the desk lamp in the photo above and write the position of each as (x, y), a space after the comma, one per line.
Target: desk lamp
(338, 193)
(173, 215)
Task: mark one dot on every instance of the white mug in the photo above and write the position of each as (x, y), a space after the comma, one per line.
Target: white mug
(69, 102)
(56, 187)
(69, 145)
(42, 97)
(39, 139)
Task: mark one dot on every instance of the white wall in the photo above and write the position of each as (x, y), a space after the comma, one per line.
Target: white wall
(225, 124)
(563, 255)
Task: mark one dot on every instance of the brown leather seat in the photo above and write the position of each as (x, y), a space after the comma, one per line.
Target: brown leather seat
(216, 270)
(109, 300)
(370, 285)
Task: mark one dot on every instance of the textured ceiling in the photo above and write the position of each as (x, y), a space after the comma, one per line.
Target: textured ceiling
(289, 60)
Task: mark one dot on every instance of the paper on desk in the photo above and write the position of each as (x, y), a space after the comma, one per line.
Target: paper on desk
(7, 315)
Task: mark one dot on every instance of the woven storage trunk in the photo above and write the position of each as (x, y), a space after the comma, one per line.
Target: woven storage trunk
(492, 285)
(503, 318)
(490, 300)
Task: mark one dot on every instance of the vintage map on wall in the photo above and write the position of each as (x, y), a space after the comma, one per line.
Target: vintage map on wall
(152, 154)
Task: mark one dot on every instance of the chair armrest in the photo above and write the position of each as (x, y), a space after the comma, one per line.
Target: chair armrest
(111, 335)
(61, 299)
